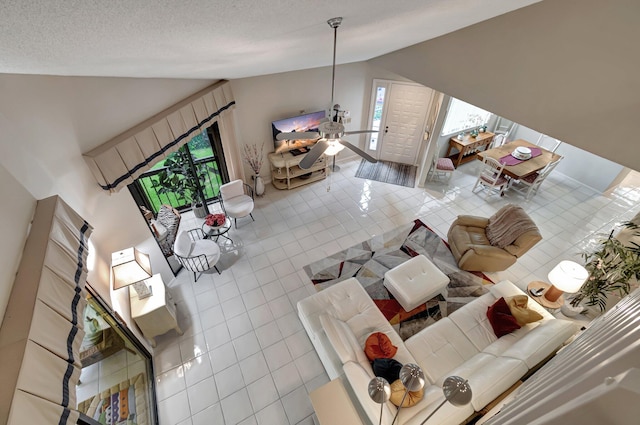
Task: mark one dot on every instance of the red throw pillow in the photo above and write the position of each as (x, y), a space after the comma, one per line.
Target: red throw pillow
(501, 319)
(379, 346)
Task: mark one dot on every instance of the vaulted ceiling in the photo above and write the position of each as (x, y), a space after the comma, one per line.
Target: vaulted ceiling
(214, 39)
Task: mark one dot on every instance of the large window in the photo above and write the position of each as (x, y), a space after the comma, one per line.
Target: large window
(463, 116)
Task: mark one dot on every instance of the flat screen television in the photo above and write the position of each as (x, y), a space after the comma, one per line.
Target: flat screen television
(306, 122)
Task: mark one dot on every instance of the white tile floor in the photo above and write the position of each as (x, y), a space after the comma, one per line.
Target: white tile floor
(244, 357)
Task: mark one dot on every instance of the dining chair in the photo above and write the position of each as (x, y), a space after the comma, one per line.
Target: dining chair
(237, 200)
(498, 140)
(491, 178)
(548, 142)
(441, 166)
(528, 186)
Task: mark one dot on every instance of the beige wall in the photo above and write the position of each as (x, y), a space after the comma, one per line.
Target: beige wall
(261, 100)
(16, 211)
(567, 68)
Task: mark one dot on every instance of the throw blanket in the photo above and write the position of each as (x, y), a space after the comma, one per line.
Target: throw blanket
(508, 224)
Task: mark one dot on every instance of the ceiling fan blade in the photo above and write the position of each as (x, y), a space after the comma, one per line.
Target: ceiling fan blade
(316, 151)
(358, 151)
(298, 135)
(361, 131)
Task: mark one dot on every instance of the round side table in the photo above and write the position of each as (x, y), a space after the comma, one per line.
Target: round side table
(537, 284)
(216, 232)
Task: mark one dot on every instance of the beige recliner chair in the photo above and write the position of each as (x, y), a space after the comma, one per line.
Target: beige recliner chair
(492, 244)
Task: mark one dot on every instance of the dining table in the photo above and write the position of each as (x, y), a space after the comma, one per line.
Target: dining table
(523, 168)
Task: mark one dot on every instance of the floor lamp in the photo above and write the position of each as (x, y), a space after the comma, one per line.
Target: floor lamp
(379, 391)
(456, 391)
(413, 379)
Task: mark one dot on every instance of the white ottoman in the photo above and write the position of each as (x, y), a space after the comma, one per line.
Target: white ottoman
(415, 281)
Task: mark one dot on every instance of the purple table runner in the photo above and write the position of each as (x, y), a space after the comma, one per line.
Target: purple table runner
(511, 160)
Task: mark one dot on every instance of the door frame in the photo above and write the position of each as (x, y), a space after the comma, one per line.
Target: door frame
(379, 82)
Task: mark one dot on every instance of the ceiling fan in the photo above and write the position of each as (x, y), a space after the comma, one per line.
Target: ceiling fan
(330, 132)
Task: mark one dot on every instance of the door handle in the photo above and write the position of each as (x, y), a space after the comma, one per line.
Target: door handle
(386, 129)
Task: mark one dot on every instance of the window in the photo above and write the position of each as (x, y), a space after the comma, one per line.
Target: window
(377, 117)
(463, 116)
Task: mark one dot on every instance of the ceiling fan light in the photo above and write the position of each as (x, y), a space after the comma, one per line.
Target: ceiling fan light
(334, 148)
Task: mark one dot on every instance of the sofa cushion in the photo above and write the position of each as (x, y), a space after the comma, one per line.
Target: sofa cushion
(472, 320)
(440, 348)
(379, 346)
(501, 319)
(489, 376)
(539, 342)
(518, 307)
(341, 338)
(397, 394)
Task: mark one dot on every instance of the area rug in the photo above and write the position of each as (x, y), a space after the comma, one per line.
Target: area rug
(369, 260)
(388, 172)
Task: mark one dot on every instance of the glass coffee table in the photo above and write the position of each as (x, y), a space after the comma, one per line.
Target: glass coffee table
(217, 231)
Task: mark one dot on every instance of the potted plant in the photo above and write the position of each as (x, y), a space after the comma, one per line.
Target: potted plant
(612, 267)
(181, 177)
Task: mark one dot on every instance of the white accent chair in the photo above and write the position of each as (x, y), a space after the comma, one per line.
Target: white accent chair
(491, 177)
(548, 143)
(236, 198)
(196, 253)
(528, 186)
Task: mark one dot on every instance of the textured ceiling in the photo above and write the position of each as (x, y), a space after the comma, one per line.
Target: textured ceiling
(216, 39)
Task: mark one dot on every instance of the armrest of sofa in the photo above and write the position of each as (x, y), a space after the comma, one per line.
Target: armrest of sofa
(471, 220)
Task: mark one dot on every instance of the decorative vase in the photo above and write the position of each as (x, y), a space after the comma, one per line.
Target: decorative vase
(259, 185)
(199, 210)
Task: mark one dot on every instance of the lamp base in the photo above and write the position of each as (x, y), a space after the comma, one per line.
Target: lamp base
(142, 289)
(542, 300)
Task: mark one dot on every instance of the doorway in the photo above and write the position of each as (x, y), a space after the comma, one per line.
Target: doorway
(399, 111)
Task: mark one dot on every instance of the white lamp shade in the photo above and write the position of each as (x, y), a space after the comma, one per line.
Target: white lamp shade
(568, 276)
(334, 148)
(129, 266)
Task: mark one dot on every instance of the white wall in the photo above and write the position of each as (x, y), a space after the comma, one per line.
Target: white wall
(47, 122)
(261, 100)
(16, 211)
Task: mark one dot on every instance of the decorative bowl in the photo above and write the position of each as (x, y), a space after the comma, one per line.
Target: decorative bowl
(521, 152)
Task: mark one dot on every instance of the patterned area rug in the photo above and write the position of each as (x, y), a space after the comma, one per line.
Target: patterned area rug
(369, 260)
(388, 172)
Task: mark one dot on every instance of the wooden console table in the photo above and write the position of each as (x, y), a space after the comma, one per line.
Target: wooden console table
(468, 146)
(286, 174)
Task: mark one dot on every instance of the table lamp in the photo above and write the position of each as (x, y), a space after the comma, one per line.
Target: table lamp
(456, 391)
(379, 391)
(413, 379)
(131, 267)
(567, 276)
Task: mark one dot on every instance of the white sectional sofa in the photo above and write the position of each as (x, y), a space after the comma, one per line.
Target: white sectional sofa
(339, 319)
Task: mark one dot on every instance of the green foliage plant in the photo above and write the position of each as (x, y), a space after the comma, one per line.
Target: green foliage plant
(612, 267)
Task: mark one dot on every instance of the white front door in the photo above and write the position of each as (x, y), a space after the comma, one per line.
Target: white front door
(402, 125)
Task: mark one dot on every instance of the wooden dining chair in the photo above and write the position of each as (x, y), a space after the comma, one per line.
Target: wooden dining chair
(440, 166)
(498, 140)
(548, 143)
(528, 186)
(491, 177)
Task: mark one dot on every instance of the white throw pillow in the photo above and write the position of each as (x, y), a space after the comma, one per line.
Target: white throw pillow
(183, 244)
(342, 338)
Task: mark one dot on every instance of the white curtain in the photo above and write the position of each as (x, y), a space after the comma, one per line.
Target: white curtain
(121, 160)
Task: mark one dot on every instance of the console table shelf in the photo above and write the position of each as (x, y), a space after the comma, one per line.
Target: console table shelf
(286, 173)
